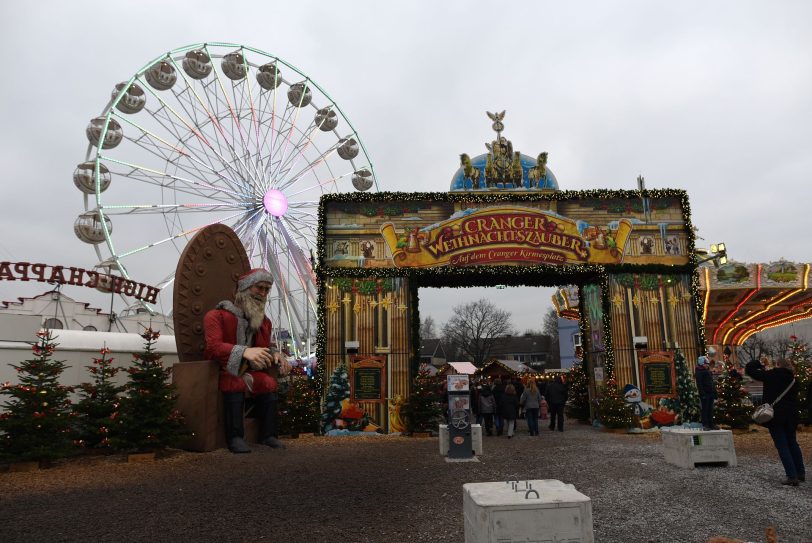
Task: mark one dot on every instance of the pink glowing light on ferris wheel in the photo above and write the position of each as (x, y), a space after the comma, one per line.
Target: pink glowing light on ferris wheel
(275, 202)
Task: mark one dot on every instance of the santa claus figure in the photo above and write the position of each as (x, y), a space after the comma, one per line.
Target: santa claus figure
(238, 336)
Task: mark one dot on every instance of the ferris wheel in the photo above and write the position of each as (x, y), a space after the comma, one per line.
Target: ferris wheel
(218, 133)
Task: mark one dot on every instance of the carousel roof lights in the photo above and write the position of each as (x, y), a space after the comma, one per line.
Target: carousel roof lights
(738, 335)
(738, 307)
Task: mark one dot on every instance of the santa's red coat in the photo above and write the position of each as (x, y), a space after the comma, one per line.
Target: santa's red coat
(220, 328)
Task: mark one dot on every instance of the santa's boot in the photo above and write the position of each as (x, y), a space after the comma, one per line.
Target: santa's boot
(265, 407)
(232, 421)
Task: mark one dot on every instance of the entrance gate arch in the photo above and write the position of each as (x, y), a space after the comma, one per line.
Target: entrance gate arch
(632, 252)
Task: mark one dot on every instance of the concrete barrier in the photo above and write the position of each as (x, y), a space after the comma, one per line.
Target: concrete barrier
(538, 510)
(686, 447)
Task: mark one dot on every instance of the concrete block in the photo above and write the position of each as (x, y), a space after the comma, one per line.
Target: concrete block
(686, 447)
(476, 439)
(535, 511)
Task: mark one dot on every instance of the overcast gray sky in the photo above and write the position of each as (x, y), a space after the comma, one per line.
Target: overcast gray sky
(711, 97)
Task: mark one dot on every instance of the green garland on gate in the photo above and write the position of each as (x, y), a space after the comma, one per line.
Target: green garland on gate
(471, 276)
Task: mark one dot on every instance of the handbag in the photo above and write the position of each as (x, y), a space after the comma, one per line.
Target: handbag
(764, 413)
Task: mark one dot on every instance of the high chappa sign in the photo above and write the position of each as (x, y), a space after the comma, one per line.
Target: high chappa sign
(62, 275)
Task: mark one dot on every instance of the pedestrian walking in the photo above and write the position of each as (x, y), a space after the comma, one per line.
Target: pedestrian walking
(531, 402)
(498, 392)
(518, 386)
(809, 403)
(510, 409)
(781, 391)
(475, 393)
(557, 399)
(487, 407)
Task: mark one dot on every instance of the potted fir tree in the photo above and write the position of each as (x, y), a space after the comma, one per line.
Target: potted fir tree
(35, 426)
(613, 412)
(422, 410)
(147, 421)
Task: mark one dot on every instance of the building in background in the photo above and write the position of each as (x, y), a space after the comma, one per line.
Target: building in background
(533, 350)
(80, 332)
(433, 353)
(506, 369)
(569, 341)
(56, 311)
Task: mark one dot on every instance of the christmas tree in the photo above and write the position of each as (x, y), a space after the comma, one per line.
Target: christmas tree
(98, 404)
(733, 406)
(687, 393)
(799, 355)
(147, 419)
(422, 409)
(299, 409)
(612, 409)
(36, 424)
(578, 402)
(338, 391)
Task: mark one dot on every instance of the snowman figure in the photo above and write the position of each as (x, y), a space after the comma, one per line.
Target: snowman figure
(633, 396)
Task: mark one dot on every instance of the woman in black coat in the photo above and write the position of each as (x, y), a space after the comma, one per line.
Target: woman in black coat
(556, 395)
(707, 392)
(509, 409)
(784, 424)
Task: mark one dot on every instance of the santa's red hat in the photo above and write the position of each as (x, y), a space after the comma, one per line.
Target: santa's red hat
(257, 275)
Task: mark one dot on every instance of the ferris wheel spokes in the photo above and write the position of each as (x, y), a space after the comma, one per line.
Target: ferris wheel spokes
(309, 168)
(321, 184)
(214, 118)
(288, 310)
(304, 271)
(166, 150)
(284, 151)
(193, 153)
(173, 237)
(190, 183)
(285, 179)
(141, 209)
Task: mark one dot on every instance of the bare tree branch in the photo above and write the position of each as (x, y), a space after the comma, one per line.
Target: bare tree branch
(549, 327)
(428, 329)
(475, 327)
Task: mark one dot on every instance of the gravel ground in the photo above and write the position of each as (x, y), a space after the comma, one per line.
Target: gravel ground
(400, 489)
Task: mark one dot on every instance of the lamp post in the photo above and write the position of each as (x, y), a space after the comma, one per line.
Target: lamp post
(718, 254)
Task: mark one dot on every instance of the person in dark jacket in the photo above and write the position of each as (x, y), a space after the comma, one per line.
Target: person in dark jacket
(809, 403)
(518, 387)
(475, 390)
(509, 409)
(498, 392)
(487, 407)
(707, 392)
(556, 395)
(784, 423)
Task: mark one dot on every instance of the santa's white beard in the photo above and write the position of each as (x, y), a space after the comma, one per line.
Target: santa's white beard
(254, 309)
